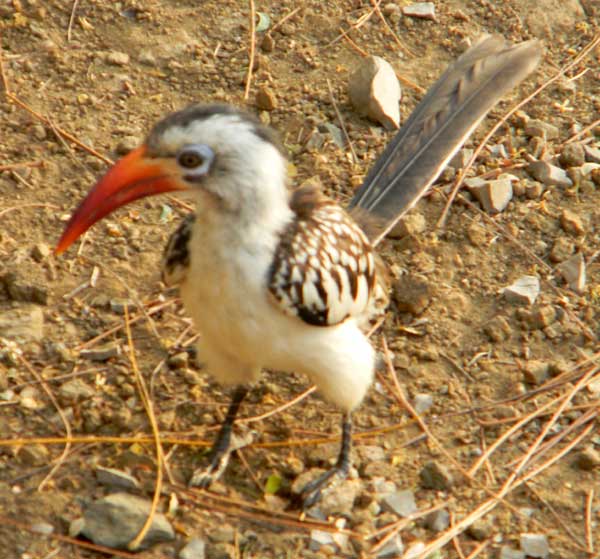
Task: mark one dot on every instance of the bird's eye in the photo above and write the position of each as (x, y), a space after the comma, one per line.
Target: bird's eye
(196, 159)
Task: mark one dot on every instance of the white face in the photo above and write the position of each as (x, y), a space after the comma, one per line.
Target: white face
(230, 161)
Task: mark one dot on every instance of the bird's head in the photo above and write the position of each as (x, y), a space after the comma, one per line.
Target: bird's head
(225, 157)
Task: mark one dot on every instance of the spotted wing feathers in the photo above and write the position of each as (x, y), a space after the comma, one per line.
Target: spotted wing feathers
(323, 270)
(176, 257)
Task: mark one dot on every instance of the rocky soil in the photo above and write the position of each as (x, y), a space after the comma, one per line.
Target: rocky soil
(484, 368)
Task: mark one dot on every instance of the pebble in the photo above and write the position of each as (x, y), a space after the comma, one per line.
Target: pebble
(412, 224)
(401, 503)
(222, 534)
(535, 545)
(375, 91)
(572, 223)
(115, 520)
(461, 158)
(550, 175)
(438, 520)
(75, 390)
(588, 459)
(573, 155)
(592, 154)
(179, 360)
(436, 476)
(393, 548)
(39, 132)
(411, 295)
(221, 551)
(574, 273)
(34, 455)
(127, 144)
(101, 353)
(524, 290)
(194, 549)
(541, 129)
(20, 289)
(29, 398)
(422, 403)
(112, 477)
(542, 317)
(340, 499)
(534, 190)
(536, 372)
(117, 58)
(480, 530)
(40, 252)
(423, 10)
(265, 99)
(493, 195)
(369, 453)
(24, 324)
(507, 552)
(562, 249)
(42, 528)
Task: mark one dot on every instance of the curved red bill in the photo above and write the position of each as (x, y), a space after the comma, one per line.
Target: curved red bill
(131, 178)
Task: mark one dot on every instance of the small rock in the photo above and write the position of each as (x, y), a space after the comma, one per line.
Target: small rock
(535, 545)
(20, 289)
(179, 360)
(40, 252)
(42, 528)
(340, 499)
(480, 530)
(222, 534)
(101, 353)
(507, 552)
(498, 329)
(268, 43)
(39, 132)
(34, 455)
(115, 520)
(411, 295)
(75, 390)
(461, 158)
(423, 403)
(524, 290)
(369, 453)
(412, 224)
(592, 154)
(436, 476)
(573, 155)
(401, 503)
(393, 548)
(493, 195)
(572, 223)
(573, 271)
(414, 550)
(194, 549)
(221, 551)
(549, 174)
(588, 459)
(534, 190)
(23, 324)
(75, 527)
(147, 58)
(334, 133)
(112, 477)
(117, 58)
(375, 92)
(438, 520)
(562, 249)
(423, 10)
(127, 144)
(536, 372)
(265, 99)
(29, 398)
(541, 129)
(542, 317)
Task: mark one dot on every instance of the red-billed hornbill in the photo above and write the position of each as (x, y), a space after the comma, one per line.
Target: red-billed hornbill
(282, 279)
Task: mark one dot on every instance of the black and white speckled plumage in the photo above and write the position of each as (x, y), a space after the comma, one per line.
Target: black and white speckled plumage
(176, 256)
(323, 269)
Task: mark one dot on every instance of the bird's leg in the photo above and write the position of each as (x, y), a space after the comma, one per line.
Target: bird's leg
(312, 491)
(220, 451)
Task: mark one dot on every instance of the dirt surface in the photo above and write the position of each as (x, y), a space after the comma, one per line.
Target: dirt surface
(487, 363)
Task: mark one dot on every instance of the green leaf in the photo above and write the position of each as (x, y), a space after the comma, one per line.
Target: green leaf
(264, 22)
(273, 484)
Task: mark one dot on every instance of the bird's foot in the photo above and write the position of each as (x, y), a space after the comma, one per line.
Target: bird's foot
(311, 493)
(205, 477)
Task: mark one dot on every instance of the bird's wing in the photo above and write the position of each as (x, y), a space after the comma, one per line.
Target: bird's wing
(440, 124)
(176, 257)
(323, 270)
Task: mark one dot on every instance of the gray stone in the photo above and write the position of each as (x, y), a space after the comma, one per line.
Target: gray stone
(112, 477)
(40, 252)
(369, 453)
(101, 353)
(115, 520)
(42, 528)
(117, 58)
(393, 548)
(24, 324)
(194, 549)
(562, 249)
(493, 195)
(401, 503)
(524, 290)
(423, 10)
(438, 520)
(535, 545)
(412, 224)
(592, 154)
(436, 476)
(461, 158)
(541, 129)
(573, 155)
(573, 271)
(375, 91)
(339, 499)
(588, 459)
(549, 174)
(480, 530)
(572, 223)
(75, 390)
(423, 403)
